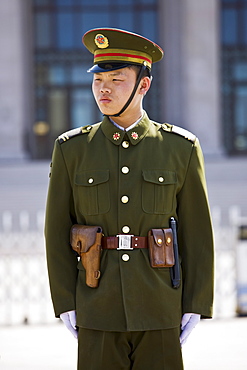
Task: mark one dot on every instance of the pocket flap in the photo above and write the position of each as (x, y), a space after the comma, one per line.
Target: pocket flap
(158, 237)
(168, 237)
(160, 177)
(91, 178)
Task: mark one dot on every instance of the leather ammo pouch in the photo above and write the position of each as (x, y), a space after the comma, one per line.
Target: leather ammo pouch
(86, 241)
(160, 246)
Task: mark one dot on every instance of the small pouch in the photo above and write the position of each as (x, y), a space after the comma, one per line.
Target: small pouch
(160, 246)
(86, 241)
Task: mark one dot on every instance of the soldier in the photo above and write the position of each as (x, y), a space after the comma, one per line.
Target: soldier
(128, 177)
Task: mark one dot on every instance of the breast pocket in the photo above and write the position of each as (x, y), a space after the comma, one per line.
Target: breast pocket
(92, 192)
(158, 191)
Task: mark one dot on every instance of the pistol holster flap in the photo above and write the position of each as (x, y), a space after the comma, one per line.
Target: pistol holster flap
(82, 237)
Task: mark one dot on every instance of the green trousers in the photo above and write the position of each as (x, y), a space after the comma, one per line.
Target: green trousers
(142, 350)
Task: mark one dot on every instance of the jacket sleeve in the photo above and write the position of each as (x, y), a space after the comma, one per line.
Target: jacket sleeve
(61, 260)
(196, 239)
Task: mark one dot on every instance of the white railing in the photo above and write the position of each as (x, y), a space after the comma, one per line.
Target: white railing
(227, 250)
(24, 288)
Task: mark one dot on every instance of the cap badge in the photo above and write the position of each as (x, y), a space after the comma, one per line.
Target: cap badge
(134, 135)
(116, 136)
(101, 41)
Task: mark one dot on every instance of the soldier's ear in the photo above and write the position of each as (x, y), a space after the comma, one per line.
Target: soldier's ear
(145, 85)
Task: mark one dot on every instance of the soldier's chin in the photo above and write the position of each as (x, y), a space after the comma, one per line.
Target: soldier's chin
(107, 112)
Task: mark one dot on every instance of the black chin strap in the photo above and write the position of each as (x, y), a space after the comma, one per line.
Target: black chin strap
(140, 75)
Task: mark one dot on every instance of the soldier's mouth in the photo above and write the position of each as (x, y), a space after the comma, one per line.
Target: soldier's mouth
(105, 100)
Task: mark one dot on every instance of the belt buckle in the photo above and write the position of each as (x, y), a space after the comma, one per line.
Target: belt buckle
(124, 242)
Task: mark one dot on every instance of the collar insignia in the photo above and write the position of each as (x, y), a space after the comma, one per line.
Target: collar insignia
(116, 136)
(134, 135)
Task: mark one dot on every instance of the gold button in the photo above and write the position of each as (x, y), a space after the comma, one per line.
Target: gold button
(159, 241)
(169, 240)
(125, 257)
(125, 144)
(90, 181)
(125, 170)
(126, 229)
(161, 179)
(125, 199)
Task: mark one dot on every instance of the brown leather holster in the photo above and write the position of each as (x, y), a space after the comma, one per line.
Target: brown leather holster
(86, 241)
(160, 246)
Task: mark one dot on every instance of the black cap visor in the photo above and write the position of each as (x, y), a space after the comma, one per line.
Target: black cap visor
(106, 67)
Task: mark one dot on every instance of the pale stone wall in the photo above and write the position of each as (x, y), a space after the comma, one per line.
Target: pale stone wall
(190, 33)
(13, 79)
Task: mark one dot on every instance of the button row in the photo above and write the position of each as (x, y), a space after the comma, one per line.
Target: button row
(125, 198)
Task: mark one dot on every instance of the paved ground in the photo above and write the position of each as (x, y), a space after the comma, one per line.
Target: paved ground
(214, 345)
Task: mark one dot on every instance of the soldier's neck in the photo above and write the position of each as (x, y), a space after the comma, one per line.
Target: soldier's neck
(127, 120)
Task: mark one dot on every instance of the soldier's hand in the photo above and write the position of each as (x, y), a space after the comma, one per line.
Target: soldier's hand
(189, 321)
(69, 319)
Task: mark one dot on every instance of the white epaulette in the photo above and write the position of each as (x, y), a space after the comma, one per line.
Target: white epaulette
(179, 131)
(73, 133)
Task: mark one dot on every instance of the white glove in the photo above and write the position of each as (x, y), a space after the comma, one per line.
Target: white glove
(69, 319)
(189, 321)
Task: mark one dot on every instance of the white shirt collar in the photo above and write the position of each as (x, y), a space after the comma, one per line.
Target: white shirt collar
(128, 128)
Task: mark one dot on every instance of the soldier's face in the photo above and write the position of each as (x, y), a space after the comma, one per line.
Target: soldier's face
(112, 89)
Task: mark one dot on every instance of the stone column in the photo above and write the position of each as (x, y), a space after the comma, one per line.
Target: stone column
(14, 78)
(190, 33)
(170, 39)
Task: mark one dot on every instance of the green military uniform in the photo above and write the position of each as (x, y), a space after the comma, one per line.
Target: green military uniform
(88, 181)
(128, 182)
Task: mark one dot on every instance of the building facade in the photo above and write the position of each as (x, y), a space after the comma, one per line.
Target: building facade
(45, 89)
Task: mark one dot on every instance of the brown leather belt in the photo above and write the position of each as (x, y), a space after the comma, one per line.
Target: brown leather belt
(124, 242)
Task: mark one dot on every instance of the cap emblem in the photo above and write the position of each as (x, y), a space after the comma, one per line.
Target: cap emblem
(134, 135)
(101, 41)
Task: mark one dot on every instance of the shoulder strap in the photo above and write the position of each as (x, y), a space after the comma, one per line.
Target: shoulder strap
(73, 133)
(179, 131)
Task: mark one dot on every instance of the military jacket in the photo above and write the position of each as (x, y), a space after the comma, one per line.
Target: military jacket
(159, 171)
